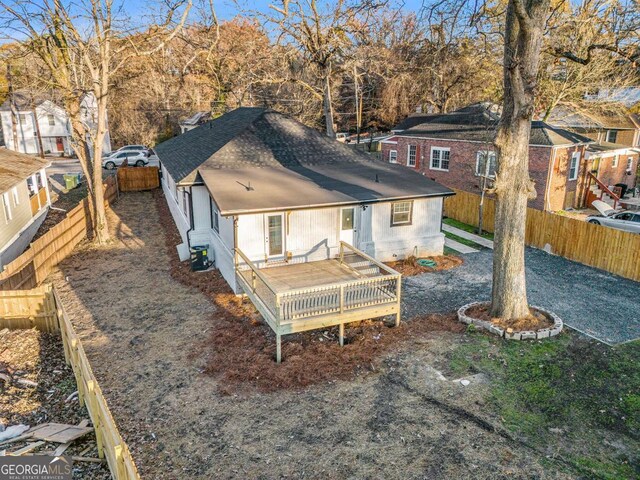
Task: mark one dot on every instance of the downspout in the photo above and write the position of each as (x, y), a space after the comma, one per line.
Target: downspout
(190, 217)
(549, 178)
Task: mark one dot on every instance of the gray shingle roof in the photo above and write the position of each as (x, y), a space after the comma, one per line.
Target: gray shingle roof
(16, 167)
(592, 120)
(479, 122)
(255, 159)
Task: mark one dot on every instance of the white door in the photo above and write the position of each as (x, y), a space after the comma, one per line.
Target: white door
(274, 238)
(348, 225)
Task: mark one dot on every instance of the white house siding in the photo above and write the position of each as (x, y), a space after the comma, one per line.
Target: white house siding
(168, 186)
(16, 234)
(26, 130)
(386, 243)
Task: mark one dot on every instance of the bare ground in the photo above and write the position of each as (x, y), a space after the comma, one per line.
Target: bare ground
(148, 337)
(38, 357)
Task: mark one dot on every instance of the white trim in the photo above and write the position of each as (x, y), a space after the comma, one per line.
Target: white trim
(575, 155)
(485, 173)
(441, 149)
(8, 216)
(415, 156)
(395, 160)
(16, 196)
(267, 244)
(615, 161)
(440, 139)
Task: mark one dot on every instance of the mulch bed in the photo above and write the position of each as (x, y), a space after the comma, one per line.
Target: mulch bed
(410, 267)
(240, 348)
(537, 320)
(38, 357)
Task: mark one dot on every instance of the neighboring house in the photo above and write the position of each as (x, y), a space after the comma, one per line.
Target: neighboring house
(457, 150)
(613, 157)
(24, 201)
(292, 193)
(194, 121)
(627, 96)
(52, 122)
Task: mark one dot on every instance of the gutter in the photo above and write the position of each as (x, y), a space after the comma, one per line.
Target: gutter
(331, 205)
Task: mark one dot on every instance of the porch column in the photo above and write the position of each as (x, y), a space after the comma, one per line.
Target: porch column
(45, 185)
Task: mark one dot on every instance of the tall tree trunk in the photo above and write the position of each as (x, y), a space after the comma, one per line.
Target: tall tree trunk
(101, 225)
(327, 104)
(37, 127)
(513, 187)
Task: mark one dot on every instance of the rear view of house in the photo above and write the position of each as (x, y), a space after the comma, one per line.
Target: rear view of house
(24, 199)
(298, 221)
(456, 149)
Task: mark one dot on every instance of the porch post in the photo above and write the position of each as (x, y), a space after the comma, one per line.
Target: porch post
(278, 348)
(342, 334)
(398, 295)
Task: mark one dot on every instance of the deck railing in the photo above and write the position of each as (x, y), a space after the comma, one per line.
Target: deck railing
(377, 294)
(603, 189)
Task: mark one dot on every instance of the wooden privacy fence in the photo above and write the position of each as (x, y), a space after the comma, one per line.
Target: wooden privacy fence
(612, 250)
(41, 308)
(23, 309)
(132, 179)
(34, 265)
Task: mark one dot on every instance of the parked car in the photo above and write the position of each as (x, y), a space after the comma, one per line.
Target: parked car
(127, 148)
(133, 157)
(621, 220)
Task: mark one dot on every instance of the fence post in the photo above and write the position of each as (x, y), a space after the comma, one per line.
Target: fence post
(120, 472)
(97, 422)
(77, 368)
(398, 293)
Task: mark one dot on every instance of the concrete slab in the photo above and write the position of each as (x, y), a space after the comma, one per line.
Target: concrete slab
(485, 242)
(458, 247)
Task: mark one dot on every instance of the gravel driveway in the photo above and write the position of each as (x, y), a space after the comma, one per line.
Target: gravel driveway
(589, 300)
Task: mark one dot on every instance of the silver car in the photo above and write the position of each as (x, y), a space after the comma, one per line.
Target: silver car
(133, 158)
(621, 220)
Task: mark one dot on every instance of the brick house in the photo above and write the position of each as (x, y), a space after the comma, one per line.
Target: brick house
(456, 149)
(613, 158)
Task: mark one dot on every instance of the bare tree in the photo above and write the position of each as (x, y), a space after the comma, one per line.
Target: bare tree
(322, 37)
(81, 45)
(524, 28)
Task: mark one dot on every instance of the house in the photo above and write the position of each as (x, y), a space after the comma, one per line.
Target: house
(612, 160)
(194, 120)
(456, 149)
(39, 115)
(297, 221)
(24, 199)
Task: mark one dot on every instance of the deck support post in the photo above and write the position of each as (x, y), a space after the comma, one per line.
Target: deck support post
(398, 297)
(341, 329)
(278, 348)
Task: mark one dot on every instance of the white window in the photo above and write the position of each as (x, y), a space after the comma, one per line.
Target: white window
(393, 156)
(411, 155)
(7, 207)
(486, 164)
(612, 136)
(16, 197)
(215, 219)
(440, 158)
(573, 167)
(629, 163)
(614, 163)
(52, 119)
(401, 213)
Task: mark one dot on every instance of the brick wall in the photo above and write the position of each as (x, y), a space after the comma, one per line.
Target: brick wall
(462, 163)
(610, 174)
(564, 193)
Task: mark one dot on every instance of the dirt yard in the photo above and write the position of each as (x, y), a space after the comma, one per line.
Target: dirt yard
(38, 357)
(163, 346)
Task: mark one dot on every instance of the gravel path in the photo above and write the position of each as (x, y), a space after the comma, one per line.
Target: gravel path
(589, 300)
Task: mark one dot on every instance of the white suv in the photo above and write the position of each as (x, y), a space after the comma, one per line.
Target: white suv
(136, 158)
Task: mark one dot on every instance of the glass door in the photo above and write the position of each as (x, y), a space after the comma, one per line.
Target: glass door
(275, 235)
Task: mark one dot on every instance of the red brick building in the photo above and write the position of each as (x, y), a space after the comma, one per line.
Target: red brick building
(456, 149)
(613, 157)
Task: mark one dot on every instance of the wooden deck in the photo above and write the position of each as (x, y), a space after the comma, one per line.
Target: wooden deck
(305, 296)
(309, 274)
